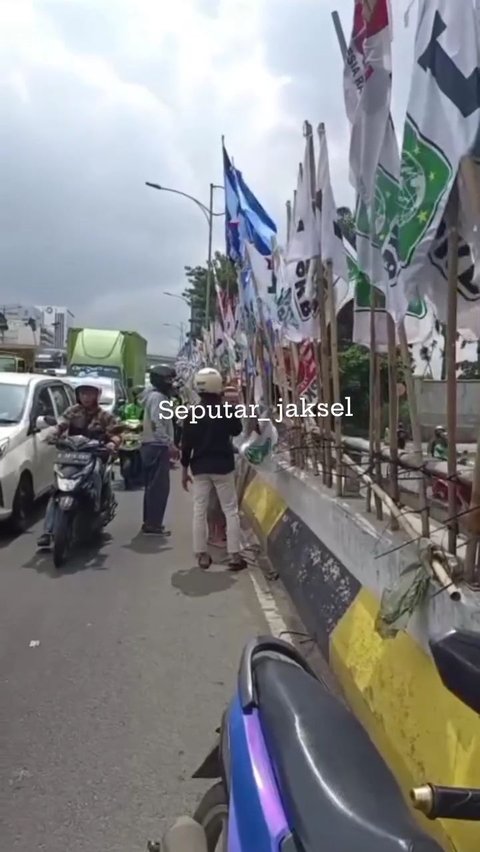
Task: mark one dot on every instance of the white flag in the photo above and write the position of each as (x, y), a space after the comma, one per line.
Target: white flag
(331, 240)
(441, 128)
(302, 248)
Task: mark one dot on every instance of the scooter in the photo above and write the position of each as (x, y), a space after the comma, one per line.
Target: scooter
(77, 517)
(296, 772)
(130, 456)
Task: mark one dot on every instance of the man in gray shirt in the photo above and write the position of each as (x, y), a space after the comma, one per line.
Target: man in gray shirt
(157, 450)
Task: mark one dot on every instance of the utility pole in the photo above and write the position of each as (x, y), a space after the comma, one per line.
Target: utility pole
(209, 261)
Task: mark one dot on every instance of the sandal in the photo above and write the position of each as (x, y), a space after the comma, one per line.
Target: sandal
(204, 561)
(237, 563)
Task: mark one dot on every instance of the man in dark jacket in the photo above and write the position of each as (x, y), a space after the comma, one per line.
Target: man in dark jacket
(207, 451)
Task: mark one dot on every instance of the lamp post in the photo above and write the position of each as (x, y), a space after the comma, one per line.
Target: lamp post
(209, 214)
(178, 326)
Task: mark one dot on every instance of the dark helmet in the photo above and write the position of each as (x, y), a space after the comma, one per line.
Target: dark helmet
(162, 376)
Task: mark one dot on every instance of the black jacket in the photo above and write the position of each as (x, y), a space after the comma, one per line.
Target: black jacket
(207, 444)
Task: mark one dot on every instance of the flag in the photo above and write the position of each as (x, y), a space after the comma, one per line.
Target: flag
(374, 157)
(330, 235)
(303, 247)
(367, 86)
(419, 319)
(247, 223)
(441, 129)
(246, 219)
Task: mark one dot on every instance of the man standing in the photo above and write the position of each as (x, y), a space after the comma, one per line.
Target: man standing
(208, 451)
(158, 449)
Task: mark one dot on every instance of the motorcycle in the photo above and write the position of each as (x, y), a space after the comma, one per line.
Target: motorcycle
(76, 515)
(129, 454)
(295, 770)
(463, 490)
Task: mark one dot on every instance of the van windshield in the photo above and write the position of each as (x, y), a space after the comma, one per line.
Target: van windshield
(12, 403)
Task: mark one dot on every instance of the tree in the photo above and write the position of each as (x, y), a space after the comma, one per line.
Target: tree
(223, 272)
(346, 224)
(354, 367)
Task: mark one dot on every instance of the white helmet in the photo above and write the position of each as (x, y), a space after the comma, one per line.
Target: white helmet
(89, 384)
(208, 380)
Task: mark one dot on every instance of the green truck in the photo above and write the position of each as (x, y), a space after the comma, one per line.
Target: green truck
(109, 354)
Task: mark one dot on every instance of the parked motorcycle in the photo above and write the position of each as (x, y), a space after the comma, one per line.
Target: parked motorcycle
(76, 516)
(296, 772)
(130, 456)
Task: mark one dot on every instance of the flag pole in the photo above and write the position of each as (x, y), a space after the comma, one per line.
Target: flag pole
(324, 360)
(412, 401)
(451, 347)
(393, 415)
(296, 432)
(335, 375)
(329, 334)
(316, 345)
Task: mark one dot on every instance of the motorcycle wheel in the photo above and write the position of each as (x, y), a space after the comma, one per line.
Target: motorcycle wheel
(62, 534)
(212, 815)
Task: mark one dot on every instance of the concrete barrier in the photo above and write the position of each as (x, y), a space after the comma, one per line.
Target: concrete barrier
(329, 556)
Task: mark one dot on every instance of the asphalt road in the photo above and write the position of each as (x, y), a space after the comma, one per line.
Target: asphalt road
(113, 676)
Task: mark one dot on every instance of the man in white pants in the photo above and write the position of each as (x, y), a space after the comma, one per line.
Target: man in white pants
(207, 451)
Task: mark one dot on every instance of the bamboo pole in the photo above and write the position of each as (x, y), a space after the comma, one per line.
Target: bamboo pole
(320, 420)
(321, 371)
(393, 415)
(451, 347)
(436, 566)
(374, 404)
(335, 373)
(473, 520)
(415, 424)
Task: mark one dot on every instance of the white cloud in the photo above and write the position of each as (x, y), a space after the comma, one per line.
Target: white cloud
(98, 96)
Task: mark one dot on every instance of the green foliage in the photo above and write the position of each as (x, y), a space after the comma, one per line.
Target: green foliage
(354, 366)
(196, 292)
(470, 370)
(346, 224)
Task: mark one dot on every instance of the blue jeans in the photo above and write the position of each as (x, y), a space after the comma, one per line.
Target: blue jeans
(156, 473)
(49, 521)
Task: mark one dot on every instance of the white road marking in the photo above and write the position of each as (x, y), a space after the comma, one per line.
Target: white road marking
(269, 608)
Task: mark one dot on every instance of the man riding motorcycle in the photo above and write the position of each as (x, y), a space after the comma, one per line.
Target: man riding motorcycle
(89, 419)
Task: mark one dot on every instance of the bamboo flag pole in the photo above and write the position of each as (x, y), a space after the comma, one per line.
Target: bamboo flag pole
(393, 415)
(375, 406)
(414, 420)
(335, 375)
(324, 359)
(451, 347)
(415, 424)
(297, 455)
(320, 353)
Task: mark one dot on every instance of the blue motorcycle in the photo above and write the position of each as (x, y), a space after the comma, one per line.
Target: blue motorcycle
(296, 772)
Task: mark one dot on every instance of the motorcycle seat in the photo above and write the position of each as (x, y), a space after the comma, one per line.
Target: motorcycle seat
(337, 791)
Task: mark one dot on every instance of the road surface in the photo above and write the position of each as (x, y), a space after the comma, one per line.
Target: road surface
(113, 676)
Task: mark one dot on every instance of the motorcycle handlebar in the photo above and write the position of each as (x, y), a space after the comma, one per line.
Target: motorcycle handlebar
(447, 802)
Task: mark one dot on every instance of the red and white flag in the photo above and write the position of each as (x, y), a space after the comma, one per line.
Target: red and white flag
(367, 87)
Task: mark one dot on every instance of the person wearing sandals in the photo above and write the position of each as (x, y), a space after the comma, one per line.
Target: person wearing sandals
(207, 452)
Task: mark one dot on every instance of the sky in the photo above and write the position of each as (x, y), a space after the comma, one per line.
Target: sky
(99, 96)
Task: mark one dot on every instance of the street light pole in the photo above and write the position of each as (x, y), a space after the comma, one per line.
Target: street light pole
(209, 260)
(209, 215)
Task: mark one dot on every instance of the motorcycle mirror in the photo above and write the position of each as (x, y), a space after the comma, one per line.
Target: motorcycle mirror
(457, 658)
(43, 422)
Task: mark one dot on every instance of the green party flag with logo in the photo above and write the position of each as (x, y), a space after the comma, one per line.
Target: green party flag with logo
(441, 128)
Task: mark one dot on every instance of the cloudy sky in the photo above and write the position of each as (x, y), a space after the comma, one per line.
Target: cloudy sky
(98, 96)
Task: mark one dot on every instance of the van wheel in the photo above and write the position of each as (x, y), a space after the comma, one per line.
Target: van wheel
(22, 505)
